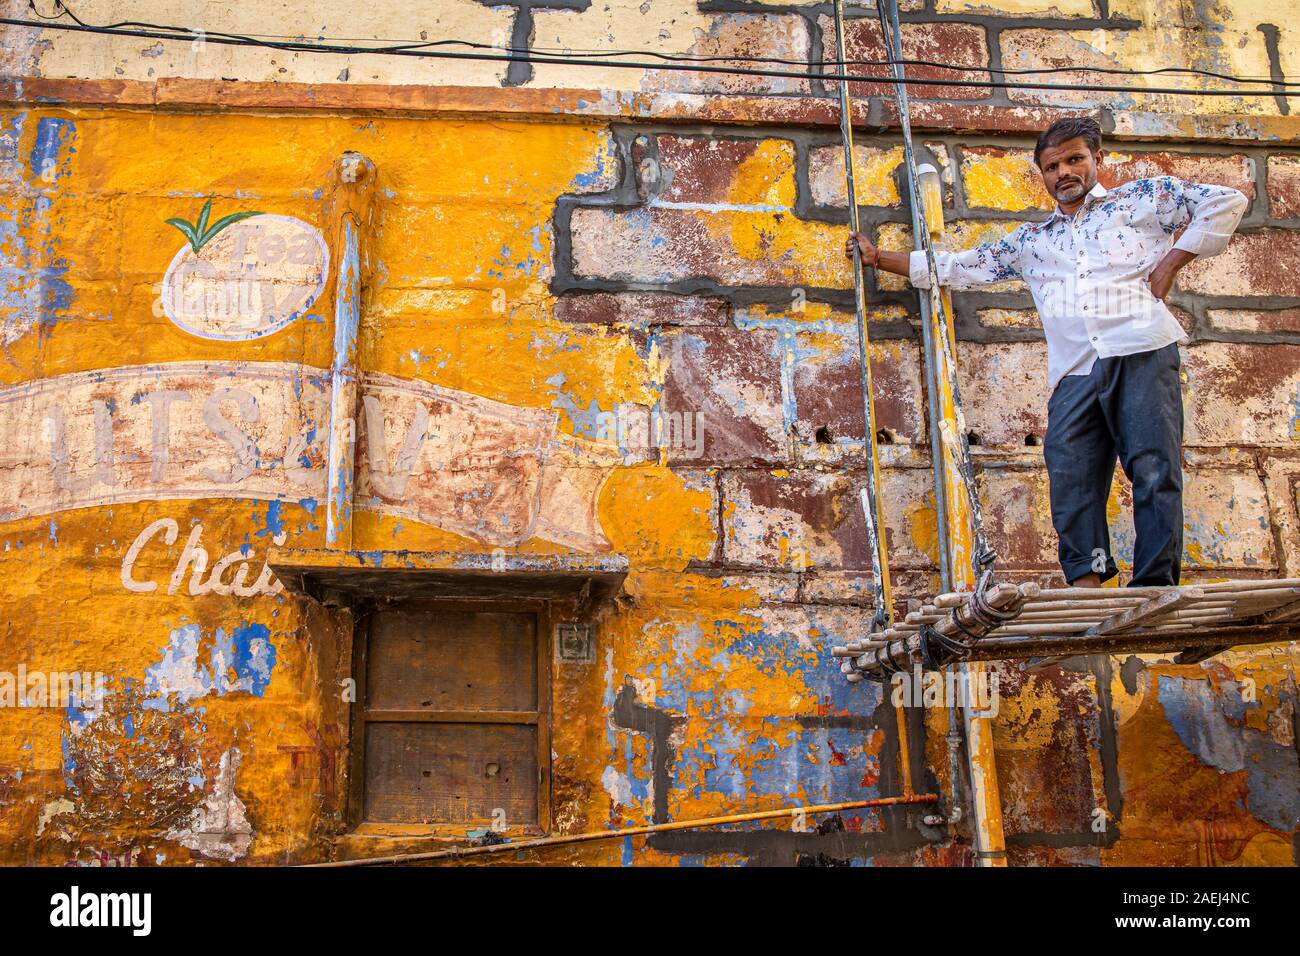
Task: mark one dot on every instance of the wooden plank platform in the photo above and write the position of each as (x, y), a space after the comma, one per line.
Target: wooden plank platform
(1198, 619)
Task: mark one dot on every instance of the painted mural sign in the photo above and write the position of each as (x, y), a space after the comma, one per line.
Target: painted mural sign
(244, 276)
(493, 472)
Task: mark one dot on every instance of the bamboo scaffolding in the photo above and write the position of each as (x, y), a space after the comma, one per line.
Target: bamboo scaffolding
(1087, 620)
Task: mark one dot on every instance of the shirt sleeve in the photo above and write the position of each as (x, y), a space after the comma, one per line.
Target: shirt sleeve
(1209, 214)
(983, 265)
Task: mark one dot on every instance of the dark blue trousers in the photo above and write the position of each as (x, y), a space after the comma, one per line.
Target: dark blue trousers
(1130, 407)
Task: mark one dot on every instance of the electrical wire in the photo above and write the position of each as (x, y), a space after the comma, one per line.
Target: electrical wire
(141, 30)
(586, 52)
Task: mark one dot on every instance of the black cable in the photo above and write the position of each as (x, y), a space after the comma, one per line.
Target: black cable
(570, 53)
(302, 47)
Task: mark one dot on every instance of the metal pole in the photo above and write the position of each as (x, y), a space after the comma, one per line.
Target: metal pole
(349, 220)
(882, 591)
(882, 595)
(961, 512)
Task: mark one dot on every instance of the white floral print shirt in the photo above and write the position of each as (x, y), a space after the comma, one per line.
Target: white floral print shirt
(1088, 273)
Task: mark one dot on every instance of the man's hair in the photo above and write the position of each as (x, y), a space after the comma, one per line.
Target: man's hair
(1066, 129)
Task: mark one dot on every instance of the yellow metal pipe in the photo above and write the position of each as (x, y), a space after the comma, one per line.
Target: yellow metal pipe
(457, 852)
(986, 802)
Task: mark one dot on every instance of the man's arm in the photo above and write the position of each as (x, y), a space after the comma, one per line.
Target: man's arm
(1208, 214)
(983, 265)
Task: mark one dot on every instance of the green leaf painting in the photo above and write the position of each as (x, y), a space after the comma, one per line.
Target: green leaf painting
(200, 233)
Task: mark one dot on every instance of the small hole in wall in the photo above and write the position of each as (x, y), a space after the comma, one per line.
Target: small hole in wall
(1033, 441)
(823, 436)
(885, 437)
(972, 438)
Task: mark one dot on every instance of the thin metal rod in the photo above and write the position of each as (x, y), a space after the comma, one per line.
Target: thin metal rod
(919, 231)
(881, 591)
(631, 831)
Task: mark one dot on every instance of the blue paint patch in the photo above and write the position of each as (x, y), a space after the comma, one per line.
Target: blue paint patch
(1192, 709)
(33, 287)
(272, 522)
(1272, 782)
(52, 147)
(593, 178)
(238, 662)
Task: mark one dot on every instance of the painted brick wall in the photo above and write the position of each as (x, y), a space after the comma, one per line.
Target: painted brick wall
(631, 242)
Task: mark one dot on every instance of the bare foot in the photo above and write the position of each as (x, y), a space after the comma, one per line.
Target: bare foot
(1087, 581)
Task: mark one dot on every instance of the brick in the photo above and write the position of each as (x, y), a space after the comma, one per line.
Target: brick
(701, 169)
(1254, 320)
(1282, 481)
(1235, 170)
(731, 247)
(1019, 8)
(1063, 750)
(775, 35)
(1284, 187)
(1018, 518)
(1009, 318)
(642, 309)
(1239, 394)
(767, 587)
(960, 44)
(1241, 50)
(828, 390)
(1024, 49)
(1004, 390)
(875, 184)
(809, 519)
(1225, 521)
(730, 382)
(961, 234)
(838, 587)
(1006, 179)
(1265, 262)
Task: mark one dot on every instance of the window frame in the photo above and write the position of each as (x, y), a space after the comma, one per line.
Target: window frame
(359, 716)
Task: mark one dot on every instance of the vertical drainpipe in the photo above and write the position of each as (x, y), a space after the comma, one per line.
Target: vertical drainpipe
(352, 182)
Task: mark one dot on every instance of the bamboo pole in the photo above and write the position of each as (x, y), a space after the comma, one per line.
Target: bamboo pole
(457, 852)
(872, 508)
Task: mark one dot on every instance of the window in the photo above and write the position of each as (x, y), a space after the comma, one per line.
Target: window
(451, 724)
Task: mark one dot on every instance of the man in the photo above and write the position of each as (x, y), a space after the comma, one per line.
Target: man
(1099, 268)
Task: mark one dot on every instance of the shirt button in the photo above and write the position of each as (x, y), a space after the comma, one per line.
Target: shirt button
(1094, 338)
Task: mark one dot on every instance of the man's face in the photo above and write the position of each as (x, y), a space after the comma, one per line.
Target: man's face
(1069, 169)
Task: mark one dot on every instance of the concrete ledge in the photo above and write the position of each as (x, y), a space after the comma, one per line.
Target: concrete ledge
(577, 105)
(339, 576)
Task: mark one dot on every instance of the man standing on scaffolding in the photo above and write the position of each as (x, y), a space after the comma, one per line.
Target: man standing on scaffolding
(1099, 269)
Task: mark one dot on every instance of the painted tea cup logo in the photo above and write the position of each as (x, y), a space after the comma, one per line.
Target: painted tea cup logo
(244, 276)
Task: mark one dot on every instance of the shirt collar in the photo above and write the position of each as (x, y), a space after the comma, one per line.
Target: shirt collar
(1096, 192)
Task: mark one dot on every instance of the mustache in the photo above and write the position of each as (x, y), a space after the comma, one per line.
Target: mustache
(1061, 183)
